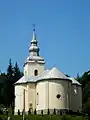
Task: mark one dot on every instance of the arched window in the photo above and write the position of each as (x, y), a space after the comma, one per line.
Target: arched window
(35, 72)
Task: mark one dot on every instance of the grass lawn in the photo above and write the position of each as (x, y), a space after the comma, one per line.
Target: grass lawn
(45, 117)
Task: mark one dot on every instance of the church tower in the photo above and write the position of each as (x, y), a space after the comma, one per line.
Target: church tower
(34, 64)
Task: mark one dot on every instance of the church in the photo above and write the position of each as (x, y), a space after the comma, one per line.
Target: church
(44, 89)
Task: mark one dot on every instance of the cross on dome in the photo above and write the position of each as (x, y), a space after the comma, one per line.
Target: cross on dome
(34, 49)
(34, 34)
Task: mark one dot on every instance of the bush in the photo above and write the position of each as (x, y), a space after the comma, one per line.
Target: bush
(29, 111)
(1, 112)
(6, 112)
(35, 112)
(48, 112)
(18, 112)
(61, 113)
(42, 112)
(54, 112)
(3, 117)
(22, 112)
(65, 117)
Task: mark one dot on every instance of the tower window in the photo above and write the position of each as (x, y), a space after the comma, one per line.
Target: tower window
(35, 72)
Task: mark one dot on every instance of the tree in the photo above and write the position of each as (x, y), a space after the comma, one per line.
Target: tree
(7, 81)
(17, 73)
(8, 88)
(10, 72)
(85, 81)
(87, 107)
(78, 78)
(2, 81)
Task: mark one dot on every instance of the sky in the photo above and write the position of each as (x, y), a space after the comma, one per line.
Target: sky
(62, 28)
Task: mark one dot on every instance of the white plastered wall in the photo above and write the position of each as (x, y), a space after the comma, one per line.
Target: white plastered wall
(42, 95)
(47, 92)
(69, 94)
(19, 95)
(59, 87)
(31, 96)
(76, 98)
(30, 67)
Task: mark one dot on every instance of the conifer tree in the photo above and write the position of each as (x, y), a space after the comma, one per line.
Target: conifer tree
(7, 81)
(9, 85)
(10, 71)
(17, 73)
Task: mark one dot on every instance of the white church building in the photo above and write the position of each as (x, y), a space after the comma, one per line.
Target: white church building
(45, 89)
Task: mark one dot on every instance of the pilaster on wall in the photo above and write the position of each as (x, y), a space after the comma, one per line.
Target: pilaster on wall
(27, 97)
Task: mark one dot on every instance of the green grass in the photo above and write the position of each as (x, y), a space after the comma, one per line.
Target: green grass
(45, 117)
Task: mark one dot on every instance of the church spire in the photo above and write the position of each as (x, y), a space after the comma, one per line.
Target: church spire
(34, 49)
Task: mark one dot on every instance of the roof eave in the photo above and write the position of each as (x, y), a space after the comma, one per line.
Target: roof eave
(76, 84)
(47, 79)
